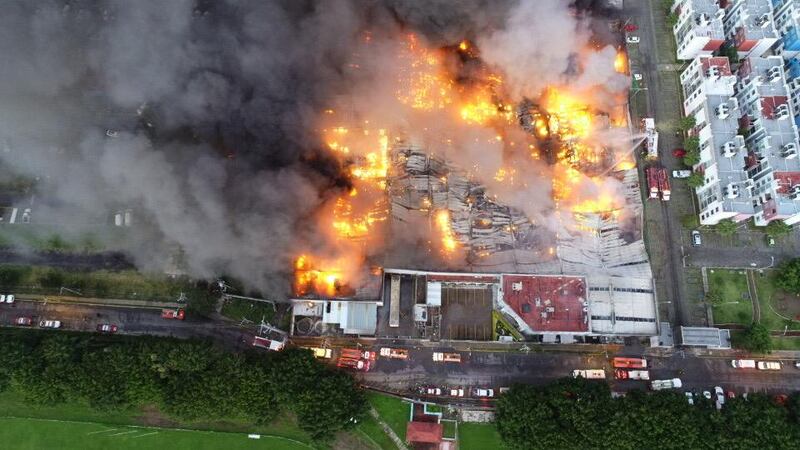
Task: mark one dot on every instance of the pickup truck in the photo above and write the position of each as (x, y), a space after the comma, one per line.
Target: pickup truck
(658, 385)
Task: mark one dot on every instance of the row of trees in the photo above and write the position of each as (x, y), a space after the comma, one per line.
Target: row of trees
(788, 277)
(186, 379)
(575, 413)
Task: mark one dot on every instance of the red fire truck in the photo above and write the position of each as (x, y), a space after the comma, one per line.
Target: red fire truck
(658, 183)
(177, 314)
(629, 363)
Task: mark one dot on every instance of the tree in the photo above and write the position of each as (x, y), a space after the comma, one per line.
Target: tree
(695, 180)
(726, 227)
(778, 228)
(788, 277)
(756, 338)
(691, 144)
(672, 19)
(731, 52)
(691, 158)
(686, 123)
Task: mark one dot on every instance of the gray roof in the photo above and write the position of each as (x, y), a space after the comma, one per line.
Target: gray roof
(705, 337)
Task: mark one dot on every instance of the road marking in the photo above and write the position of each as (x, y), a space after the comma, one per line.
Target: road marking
(124, 432)
(146, 434)
(103, 431)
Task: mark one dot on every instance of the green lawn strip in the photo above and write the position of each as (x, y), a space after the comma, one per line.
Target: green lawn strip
(13, 405)
(238, 309)
(32, 434)
(785, 343)
(370, 428)
(53, 238)
(479, 436)
(449, 429)
(731, 285)
(393, 411)
(127, 284)
(767, 291)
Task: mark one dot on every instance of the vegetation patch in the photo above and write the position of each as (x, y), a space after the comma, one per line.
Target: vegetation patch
(238, 309)
(189, 381)
(729, 296)
(779, 310)
(479, 436)
(576, 413)
(501, 327)
(393, 411)
(42, 433)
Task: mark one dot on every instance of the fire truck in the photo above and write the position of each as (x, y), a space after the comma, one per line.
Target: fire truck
(177, 314)
(355, 364)
(629, 363)
(589, 374)
(658, 183)
(353, 353)
(631, 374)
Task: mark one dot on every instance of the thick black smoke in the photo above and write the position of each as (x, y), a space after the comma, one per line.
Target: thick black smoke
(198, 116)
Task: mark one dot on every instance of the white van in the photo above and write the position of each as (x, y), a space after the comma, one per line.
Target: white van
(769, 365)
(743, 364)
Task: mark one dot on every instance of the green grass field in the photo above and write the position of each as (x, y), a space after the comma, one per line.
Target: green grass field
(731, 285)
(393, 411)
(373, 433)
(769, 297)
(44, 434)
(478, 436)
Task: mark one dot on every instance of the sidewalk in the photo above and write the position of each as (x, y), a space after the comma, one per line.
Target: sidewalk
(113, 302)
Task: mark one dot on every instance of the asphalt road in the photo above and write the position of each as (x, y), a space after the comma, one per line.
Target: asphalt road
(498, 369)
(137, 321)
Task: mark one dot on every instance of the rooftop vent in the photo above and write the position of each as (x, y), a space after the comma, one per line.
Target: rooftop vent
(774, 74)
(789, 151)
(703, 20)
(731, 191)
(713, 72)
(794, 192)
(782, 112)
(729, 149)
(723, 111)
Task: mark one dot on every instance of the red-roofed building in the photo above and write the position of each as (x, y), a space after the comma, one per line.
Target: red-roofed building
(770, 106)
(786, 180)
(548, 303)
(424, 434)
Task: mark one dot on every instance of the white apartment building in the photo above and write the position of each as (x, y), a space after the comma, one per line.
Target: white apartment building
(749, 25)
(699, 30)
(787, 22)
(748, 140)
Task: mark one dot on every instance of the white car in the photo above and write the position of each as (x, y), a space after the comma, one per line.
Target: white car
(482, 393)
(681, 173)
(690, 398)
(457, 392)
(50, 324)
(632, 39)
(720, 395)
(707, 395)
(637, 77)
(433, 391)
(769, 365)
(2, 298)
(743, 363)
(10, 298)
(696, 239)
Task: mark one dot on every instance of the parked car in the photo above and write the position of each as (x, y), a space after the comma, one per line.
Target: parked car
(631, 27)
(797, 364)
(743, 364)
(679, 153)
(769, 365)
(10, 298)
(690, 398)
(770, 241)
(632, 39)
(456, 392)
(637, 76)
(50, 323)
(731, 394)
(720, 395)
(23, 321)
(696, 240)
(430, 390)
(319, 352)
(681, 173)
(482, 393)
(106, 328)
(707, 395)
